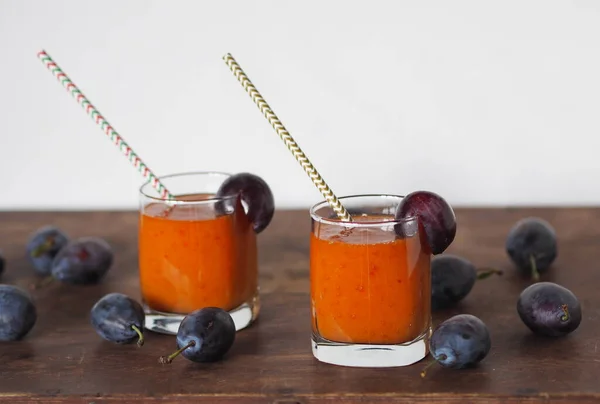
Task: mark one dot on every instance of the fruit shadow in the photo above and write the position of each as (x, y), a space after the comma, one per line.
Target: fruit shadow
(247, 341)
(514, 281)
(247, 346)
(469, 380)
(146, 357)
(122, 368)
(17, 353)
(441, 315)
(538, 348)
(549, 275)
(66, 306)
(150, 352)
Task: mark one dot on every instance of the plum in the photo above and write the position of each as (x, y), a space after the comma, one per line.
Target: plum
(118, 318)
(18, 313)
(435, 216)
(255, 193)
(205, 335)
(42, 247)
(459, 342)
(452, 278)
(85, 260)
(549, 309)
(532, 246)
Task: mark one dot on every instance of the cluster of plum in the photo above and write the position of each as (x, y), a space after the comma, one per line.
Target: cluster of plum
(546, 308)
(204, 335)
(208, 333)
(54, 257)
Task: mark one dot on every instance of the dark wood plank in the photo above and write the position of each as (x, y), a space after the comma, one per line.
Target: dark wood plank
(63, 360)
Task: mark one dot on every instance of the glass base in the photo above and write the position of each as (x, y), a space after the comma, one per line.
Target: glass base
(167, 323)
(371, 356)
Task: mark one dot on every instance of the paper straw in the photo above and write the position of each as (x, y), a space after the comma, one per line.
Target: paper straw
(103, 124)
(287, 138)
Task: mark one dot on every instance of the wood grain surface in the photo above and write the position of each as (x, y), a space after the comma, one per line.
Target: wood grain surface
(63, 360)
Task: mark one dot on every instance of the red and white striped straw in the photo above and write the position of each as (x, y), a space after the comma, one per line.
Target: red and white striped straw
(103, 124)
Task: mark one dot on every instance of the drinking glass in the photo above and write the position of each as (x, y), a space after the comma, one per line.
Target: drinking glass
(196, 250)
(370, 282)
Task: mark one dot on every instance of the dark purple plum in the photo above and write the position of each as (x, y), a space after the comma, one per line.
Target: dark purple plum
(435, 217)
(118, 318)
(532, 246)
(18, 313)
(255, 194)
(2, 264)
(549, 309)
(452, 278)
(83, 261)
(42, 247)
(204, 335)
(459, 342)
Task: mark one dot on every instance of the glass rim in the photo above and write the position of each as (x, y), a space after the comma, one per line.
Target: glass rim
(339, 222)
(183, 174)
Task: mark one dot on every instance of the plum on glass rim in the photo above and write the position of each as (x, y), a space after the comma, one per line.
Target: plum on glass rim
(435, 217)
(255, 193)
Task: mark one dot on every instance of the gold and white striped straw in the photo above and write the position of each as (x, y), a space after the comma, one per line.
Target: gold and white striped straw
(289, 141)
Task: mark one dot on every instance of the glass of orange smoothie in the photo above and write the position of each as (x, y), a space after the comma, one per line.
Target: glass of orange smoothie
(370, 284)
(196, 250)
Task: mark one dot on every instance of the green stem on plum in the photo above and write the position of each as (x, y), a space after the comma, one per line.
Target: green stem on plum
(565, 316)
(169, 359)
(140, 341)
(42, 282)
(431, 363)
(43, 248)
(535, 275)
(483, 273)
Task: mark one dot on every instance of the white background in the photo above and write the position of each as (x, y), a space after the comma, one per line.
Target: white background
(484, 102)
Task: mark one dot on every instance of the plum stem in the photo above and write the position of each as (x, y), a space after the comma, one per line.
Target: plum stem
(431, 363)
(565, 316)
(169, 359)
(43, 248)
(483, 273)
(140, 341)
(42, 282)
(535, 275)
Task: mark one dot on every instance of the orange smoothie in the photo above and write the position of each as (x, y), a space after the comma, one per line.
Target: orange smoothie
(190, 257)
(367, 285)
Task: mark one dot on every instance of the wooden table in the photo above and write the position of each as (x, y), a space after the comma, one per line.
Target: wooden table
(63, 360)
